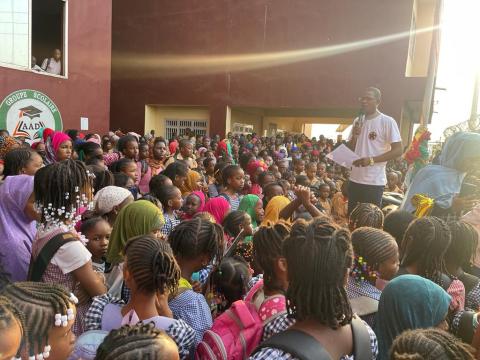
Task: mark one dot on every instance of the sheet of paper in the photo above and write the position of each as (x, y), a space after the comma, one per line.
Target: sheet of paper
(83, 123)
(343, 156)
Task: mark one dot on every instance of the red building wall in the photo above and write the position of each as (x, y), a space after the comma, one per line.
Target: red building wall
(211, 27)
(86, 92)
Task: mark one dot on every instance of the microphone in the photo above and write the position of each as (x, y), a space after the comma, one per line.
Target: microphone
(360, 118)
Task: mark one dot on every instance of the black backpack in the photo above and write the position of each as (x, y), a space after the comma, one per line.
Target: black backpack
(305, 347)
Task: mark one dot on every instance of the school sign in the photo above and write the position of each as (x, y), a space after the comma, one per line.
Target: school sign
(25, 112)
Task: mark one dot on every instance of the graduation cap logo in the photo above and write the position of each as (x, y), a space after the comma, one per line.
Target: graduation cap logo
(30, 111)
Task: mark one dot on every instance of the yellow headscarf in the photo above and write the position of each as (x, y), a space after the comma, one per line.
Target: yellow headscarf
(423, 205)
(274, 206)
(190, 184)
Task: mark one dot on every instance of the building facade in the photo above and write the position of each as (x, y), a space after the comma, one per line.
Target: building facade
(78, 95)
(268, 66)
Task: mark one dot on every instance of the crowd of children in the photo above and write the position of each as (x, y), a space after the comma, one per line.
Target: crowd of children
(139, 247)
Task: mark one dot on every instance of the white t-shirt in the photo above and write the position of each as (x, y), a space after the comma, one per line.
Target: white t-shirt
(71, 256)
(375, 138)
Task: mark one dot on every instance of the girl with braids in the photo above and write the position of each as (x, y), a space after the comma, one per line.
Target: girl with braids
(49, 313)
(409, 302)
(365, 214)
(177, 172)
(195, 244)
(97, 230)
(151, 273)
(423, 253)
(17, 225)
(318, 257)
(459, 257)
(58, 249)
(430, 344)
(268, 256)
(142, 341)
(233, 181)
(375, 261)
(127, 167)
(22, 161)
(12, 329)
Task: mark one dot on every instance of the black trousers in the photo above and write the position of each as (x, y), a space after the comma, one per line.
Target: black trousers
(360, 193)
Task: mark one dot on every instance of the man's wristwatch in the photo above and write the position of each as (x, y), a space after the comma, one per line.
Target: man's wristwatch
(372, 162)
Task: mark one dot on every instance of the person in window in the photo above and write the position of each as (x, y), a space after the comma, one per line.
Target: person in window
(35, 67)
(53, 65)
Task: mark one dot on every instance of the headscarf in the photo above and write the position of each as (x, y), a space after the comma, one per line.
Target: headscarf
(218, 207)
(248, 204)
(274, 206)
(46, 132)
(252, 167)
(222, 147)
(17, 230)
(443, 182)
(53, 143)
(190, 184)
(138, 218)
(201, 207)
(109, 197)
(408, 302)
(172, 146)
(7, 143)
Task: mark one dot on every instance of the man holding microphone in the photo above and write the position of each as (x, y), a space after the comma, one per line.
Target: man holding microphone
(376, 139)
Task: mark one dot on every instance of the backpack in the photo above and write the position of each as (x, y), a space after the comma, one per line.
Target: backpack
(305, 347)
(238, 331)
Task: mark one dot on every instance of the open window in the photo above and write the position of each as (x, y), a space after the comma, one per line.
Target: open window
(48, 24)
(33, 30)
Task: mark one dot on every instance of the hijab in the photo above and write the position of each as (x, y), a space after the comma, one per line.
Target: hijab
(218, 207)
(274, 206)
(138, 218)
(109, 197)
(408, 302)
(443, 182)
(190, 185)
(201, 207)
(17, 230)
(53, 143)
(248, 204)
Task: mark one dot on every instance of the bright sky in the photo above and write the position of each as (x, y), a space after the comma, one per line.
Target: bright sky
(459, 61)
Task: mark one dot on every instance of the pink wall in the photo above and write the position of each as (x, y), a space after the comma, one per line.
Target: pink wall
(86, 92)
(209, 27)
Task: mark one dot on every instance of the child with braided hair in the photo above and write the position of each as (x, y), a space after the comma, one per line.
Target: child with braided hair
(12, 328)
(375, 261)
(273, 283)
(430, 344)
(318, 257)
(59, 254)
(459, 257)
(49, 313)
(142, 341)
(151, 273)
(366, 214)
(195, 243)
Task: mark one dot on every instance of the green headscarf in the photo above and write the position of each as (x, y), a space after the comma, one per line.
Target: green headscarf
(138, 218)
(248, 204)
(408, 302)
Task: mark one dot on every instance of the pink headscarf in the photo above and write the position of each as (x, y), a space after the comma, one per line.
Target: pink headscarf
(218, 207)
(201, 196)
(58, 138)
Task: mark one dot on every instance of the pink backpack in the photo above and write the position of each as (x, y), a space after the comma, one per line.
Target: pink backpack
(238, 331)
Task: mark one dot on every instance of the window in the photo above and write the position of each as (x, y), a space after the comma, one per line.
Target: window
(14, 33)
(177, 127)
(33, 35)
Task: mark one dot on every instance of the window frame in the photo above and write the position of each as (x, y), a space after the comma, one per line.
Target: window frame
(64, 51)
